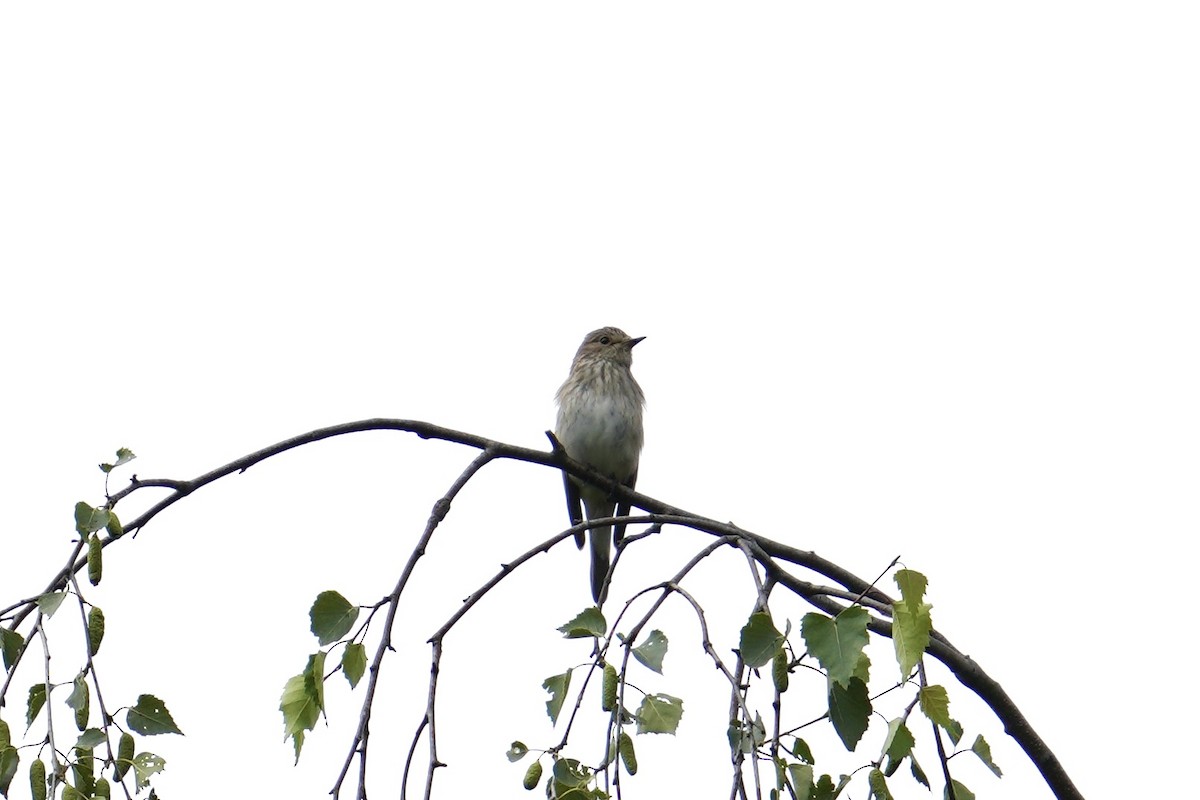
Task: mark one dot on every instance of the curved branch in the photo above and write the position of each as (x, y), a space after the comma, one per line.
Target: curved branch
(963, 667)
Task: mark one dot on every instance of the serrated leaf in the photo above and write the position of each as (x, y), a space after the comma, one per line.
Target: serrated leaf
(587, 623)
(9, 761)
(912, 585)
(10, 644)
(910, 634)
(314, 678)
(759, 640)
(652, 651)
(935, 704)
(570, 779)
(103, 791)
(659, 713)
(5, 735)
(837, 642)
(849, 711)
(955, 731)
(354, 663)
(960, 792)
(557, 686)
(37, 699)
(89, 739)
(981, 749)
(146, 765)
(332, 617)
(95, 629)
(516, 751)
(124, 456)
(82, 768)
(49, 603)
(801, 778)
(88, 519)
(300, 710)
(150, 717)
(801, 750)
(918, 773)
(899, 741)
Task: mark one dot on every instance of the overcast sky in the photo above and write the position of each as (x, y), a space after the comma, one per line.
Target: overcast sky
(916, 280)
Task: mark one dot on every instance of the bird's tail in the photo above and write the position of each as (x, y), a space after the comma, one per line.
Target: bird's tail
(601, 539)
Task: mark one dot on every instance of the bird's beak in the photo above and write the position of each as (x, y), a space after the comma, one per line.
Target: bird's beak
(632, 342)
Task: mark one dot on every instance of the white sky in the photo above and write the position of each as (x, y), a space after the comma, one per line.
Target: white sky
(915, 280)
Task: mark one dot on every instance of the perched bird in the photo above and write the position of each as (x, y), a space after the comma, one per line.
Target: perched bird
(600, 424)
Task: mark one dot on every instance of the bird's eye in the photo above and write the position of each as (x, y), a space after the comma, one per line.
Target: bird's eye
(605, 340)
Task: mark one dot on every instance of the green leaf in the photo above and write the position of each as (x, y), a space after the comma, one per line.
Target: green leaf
(516, 751)
(557, 686)
(849, 711)
(570, 779)
(80, 700)
(49, 603)
(912, 586)
(954, 730)
(899, 742)
(745, 737)
(801, 750)
(146, 765)
(960, 792)
(935, 704)
(124, 456)
(37, 699)
(314, 678)
(85, 779)
(9, 760)
(589, 622)
(910, 634)
(659, 713)
(150, 717)
(981, 749)
(300, 710)
(918, 773)
(760, 640)
(354, 663)
(88, 519)
(10, 644)
(801, 778)
(651, 651)
(92, 737)
(332, 617)
(837, 642)
(5, 735)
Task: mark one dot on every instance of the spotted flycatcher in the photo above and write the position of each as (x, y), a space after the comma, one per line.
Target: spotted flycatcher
(600, 424)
